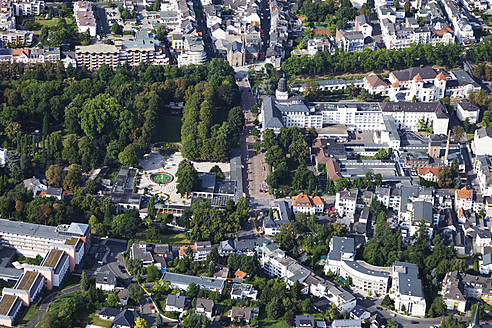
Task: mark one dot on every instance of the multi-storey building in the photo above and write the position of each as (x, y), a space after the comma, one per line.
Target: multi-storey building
(27, 288)
(366, 279)
(10, 307)
(483, 167)
(276, 114)
(407, 289)
(463, 198)
(466, 109)
(346, 202)
(33, 239)
(458, 287)
(84, 16)
(28, 8)
(305, 204)
(142, 49)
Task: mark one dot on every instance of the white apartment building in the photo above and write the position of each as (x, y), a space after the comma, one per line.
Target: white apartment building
(305, 204)
(84, 16)
(483, 167)
(274, 261)
(365, 278)
(465, 109)
(28, 8)
(463, 198)
(482, 142)
(407, 289)
(346, 202)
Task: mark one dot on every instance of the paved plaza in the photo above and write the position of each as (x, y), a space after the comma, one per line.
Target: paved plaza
(155, 162)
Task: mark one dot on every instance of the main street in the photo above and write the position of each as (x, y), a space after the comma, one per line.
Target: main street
(255, 168)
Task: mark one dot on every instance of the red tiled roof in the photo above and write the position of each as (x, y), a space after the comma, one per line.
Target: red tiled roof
(425, 170)
(302, 201)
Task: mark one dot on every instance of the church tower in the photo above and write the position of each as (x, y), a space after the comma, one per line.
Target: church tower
(281, 93)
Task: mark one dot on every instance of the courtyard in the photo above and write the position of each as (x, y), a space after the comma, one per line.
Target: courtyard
(159, 175)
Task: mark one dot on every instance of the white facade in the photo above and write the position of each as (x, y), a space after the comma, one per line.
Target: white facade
(407, 289)
(346, 202)
(467, 110)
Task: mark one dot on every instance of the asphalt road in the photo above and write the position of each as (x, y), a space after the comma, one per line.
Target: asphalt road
(372, 306)
(102, 23)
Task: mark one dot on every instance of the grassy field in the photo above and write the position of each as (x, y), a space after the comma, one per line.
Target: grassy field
(169, 129)
(170, 238)
(268, 323)
(95, 320)
(27, 314)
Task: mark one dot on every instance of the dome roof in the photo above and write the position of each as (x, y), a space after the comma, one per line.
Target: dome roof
(282, 85)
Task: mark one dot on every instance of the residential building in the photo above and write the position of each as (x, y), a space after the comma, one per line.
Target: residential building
(346, 202)
(463, 198)
(125, 319)
(272, 225)
(84, 16)
(177, 303)
(483, 167)
(407, 289)
(12, 36)
(141, 251)
(466, 109)
(428, 173)
(243, 291)
(205, 306)
(350, 40)
(105, 281)
(305, 321)
(240, 314)
(346, 323)
(363, 25)
(28, 8)
(108, 313)
(482, 142)
(365, 278)
(457, 284)
(143, 48)
(305, 204)
(182, 281)
(486, 264)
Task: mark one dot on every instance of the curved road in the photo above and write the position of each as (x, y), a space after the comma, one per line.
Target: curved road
(46, 304)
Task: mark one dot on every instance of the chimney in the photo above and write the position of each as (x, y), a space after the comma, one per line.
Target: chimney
(447, 149)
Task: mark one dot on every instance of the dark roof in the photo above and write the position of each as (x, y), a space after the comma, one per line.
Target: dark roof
(285, 211)
(305, 321)
(282, 85)
(177, 300)
(401, 106)
(468, 105)
(271, 114)
(109, 311)
(126, 318)
(425, 73)
(422, 210)
(205, 304)
(484, 132)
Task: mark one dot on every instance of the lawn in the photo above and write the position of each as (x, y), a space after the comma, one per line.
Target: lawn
(27, 314)
(95, 320)
(170, 238)
(168, 129)
(265, 322)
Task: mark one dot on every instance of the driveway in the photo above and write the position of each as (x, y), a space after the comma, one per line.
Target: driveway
(114, 259)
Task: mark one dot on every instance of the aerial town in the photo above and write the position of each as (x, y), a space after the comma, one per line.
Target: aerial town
(246, 163)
